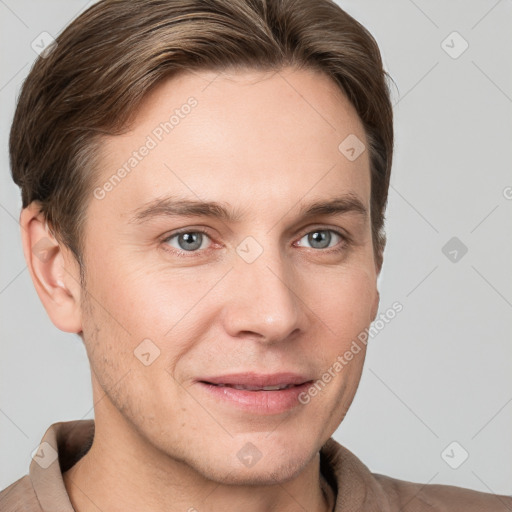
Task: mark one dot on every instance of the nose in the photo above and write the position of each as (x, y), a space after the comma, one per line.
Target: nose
(263, 302)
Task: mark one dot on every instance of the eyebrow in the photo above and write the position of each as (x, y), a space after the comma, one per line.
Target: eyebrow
(176, 207)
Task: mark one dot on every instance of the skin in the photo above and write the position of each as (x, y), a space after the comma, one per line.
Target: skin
(263, 143)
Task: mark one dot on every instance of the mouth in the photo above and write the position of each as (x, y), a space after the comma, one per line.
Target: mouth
(258, 381)
(257, 393)
(253, 388)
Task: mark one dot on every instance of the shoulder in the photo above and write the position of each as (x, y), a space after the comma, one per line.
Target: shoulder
(358, 488)
(43, 488)
(19, 496)
(417, 497)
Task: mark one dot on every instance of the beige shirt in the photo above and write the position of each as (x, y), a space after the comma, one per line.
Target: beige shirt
(355, 487)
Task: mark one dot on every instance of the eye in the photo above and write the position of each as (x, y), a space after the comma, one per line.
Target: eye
(322, 238)
(187, 241)
(194, 241)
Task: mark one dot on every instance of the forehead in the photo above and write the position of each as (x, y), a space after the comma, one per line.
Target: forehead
(252, 138)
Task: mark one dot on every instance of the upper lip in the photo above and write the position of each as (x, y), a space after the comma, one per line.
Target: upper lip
(257, 379)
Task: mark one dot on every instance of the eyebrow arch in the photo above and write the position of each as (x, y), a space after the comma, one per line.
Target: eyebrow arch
(349, 203)
(170, 207)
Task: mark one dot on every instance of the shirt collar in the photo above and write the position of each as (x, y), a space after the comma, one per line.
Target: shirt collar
(64, 443)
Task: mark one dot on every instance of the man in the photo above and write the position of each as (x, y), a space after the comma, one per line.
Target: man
(204, 186)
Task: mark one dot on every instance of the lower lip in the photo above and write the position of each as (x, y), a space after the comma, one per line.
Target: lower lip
(259, 402)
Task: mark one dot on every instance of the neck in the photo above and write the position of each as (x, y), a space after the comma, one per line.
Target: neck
(123, 471)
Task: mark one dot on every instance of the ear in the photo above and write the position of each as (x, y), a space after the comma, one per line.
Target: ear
(375, 306)
(54, 270)
(378, 267)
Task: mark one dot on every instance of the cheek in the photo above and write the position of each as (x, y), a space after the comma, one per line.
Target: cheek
(344, 300)
(166, 306)
(140, 297)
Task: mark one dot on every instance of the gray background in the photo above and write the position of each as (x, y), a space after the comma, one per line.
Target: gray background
(441, 371)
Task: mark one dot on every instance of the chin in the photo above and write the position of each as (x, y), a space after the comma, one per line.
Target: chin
(269, 473)
(260, 461)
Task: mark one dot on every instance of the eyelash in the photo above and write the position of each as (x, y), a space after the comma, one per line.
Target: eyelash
(345, 241)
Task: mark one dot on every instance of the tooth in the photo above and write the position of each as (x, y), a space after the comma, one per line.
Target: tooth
(255, 388)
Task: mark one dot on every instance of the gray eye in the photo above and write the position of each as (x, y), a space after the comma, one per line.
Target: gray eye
(320, 239)
(189, 241)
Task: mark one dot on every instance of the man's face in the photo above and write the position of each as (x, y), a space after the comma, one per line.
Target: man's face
(269, 298)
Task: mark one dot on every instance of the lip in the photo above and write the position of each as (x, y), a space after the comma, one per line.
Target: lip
(256, 401)
(258, 379)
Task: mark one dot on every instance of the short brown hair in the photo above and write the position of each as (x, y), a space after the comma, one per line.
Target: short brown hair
(107, 60)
